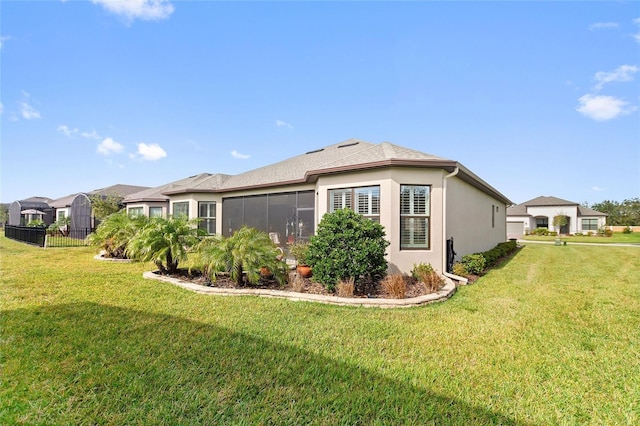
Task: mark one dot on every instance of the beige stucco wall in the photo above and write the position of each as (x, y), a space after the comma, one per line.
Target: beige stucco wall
(551, 211)
(389, 181)
(469, 212)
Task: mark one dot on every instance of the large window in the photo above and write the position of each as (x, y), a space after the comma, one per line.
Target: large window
(207, 216)
(589, 224)
(542, 222)
(414, 216)
(155, 212)
(181, 209)
(136, 211)
(364, 200)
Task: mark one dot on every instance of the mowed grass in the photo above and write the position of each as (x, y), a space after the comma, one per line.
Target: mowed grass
(551, 337)
(617, 237)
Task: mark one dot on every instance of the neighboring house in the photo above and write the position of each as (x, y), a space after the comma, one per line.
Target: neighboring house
(539, 213)
(22, 212)
(78, 206)
(421, 200)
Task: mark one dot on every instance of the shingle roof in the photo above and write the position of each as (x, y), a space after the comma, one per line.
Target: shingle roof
(547, 201)
(349, 155)
(200, 182)
(586, 211)
(118, 189)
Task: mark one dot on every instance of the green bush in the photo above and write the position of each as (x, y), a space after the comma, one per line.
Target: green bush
(539, 231)
(347, 245)
(460, 269)
(627, 230)
(474, 263)
(36, 223)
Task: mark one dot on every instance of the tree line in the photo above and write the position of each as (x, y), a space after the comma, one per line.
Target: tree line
(625, 213)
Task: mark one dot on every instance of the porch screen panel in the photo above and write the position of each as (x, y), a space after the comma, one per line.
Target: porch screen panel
(414, 217)
(232, 215)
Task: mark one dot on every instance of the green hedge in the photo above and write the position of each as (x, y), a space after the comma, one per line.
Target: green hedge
(476, 263)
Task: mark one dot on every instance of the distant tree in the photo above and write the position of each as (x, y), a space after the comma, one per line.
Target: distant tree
(4, 213)
(626, 213)
(630, 212)
(103, 206)
(559, 221)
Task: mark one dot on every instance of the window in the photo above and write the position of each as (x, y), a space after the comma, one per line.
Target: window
(181, 209)
(493, 216)
(414, 217)
(136, 211)
(364, 201)
(542, 222)
(61, 214)
(207, 216)
(589, 224)
(155, 212)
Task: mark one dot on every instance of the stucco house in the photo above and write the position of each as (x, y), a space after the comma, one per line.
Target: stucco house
(78, 206)
(540, 211)
(421, 200)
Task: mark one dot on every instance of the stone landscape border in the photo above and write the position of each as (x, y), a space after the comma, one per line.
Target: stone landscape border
(110, 259)
(443, 294)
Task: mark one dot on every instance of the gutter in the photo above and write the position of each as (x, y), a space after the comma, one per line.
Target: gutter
(444, 218)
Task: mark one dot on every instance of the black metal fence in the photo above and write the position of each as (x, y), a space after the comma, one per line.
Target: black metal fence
(40, 237)
(27, 234)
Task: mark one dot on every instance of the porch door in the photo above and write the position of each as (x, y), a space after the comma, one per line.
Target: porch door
(564, 229)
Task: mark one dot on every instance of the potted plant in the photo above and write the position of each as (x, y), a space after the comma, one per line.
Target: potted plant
(299, 251)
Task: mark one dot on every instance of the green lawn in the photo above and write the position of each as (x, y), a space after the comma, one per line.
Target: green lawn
(552, 337)
(618, 237)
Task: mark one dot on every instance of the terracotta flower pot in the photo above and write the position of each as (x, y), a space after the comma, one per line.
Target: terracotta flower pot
(304, 271)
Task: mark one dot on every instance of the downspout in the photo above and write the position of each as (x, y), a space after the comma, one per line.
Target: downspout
(444, 228)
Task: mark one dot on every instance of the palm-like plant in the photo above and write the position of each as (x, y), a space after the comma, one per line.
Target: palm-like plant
(246, 251)
(115, 232)
(166, 242)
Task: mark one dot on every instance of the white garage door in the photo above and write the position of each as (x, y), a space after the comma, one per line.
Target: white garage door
(515, 229)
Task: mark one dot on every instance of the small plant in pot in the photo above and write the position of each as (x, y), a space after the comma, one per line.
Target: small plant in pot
(299, 250)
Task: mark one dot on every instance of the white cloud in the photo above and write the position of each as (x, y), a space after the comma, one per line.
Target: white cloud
(603, 25)
(109, 146)
(91, 135)
(151, 152)
(66, 130)
(146, 10)
(621, 74)
(603, 108)
(1, 107)
(636, 36)
(597, 189)
(28, 112)
(280, 123)
(236, 154)
(3, 39)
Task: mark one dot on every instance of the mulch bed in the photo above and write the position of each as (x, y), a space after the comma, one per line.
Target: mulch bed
(370, 289)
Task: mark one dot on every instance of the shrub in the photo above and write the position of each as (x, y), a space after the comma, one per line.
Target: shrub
(297, 283)
(347, 245)
(115, 232)
(299, 250)
(539, 231)
(474, 263)
(460, 269)
(627, 230)
(425, 273)
(247, 250)
(36, 223)
(395, 285)
(346, 288)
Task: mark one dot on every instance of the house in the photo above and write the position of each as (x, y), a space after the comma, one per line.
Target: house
(540, 211)
(21, 212)
(422, 200)
(78, 206)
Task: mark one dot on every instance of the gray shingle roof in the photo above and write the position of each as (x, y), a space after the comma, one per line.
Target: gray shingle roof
(547, 201)
(349, 155)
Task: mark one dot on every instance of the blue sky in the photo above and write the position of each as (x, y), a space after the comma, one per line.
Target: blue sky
(537, 98)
